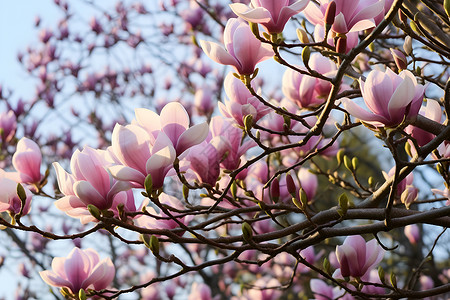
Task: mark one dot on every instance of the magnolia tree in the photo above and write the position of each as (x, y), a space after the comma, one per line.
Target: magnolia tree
(145, 167)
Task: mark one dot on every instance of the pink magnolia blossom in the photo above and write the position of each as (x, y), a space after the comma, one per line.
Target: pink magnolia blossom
(352, 37)
(323, 291)
(243, 49)
(227, 140)
(81, 269)
(356, 257)
(27, 162)
(9, 200)
(8, 125)
(204, 101)
(204, 162)
(433, 112)
(200, 291)
(307, 91)
(164, 222)
(444, 193)
(132, 147)
(90, 183)
(174, 122)
(308, 182)
(390, 97)
(266, 289)
(351, 15)
(241, 103)
(412, 232)
(271, 14)
(405, 189)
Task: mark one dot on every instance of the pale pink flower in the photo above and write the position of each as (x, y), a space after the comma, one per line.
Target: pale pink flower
(243, 49)
(356, 257)
(132, 146)
(9, 200)
(351, 15)
(164, 222)
(204, 101)
(174, 122)
(200, 291)
(307, 91)
(323, 291)
(433, 112)
(8, 126)
(352, 37)
(241, 102)
(271, 14)
(227, 140)
(391, 98)
(412, 232)
(90, 183)
(265, 289)
(81, 269)
(308, 182)
(27, 162)
(445, 193)
(204, 162)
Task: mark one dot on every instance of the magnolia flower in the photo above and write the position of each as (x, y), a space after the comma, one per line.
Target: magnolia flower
(271, 14)
(204, 162)
(351, 15)
(164, 222)
(27, 162)
(90, 183)
(227, 140)
(200, 291)
(307, 91)
(8, 125)
(9, 200)
(308, 182)
(433, 112)
(390, 97)
(356, 257)
(243, 49)
(174, 122)
(323, 291)
(81, 269)
(412, 232)
(241, 103)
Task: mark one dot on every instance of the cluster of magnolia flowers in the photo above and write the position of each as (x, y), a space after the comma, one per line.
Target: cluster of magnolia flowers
(151, 145)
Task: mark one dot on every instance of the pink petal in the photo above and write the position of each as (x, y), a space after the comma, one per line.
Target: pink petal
(313, 14)
(131, 146)
(149, 120)
(356, 111)
(89, 195)
(256, 15)
(65, 180)
(193, 136)
(340, 25)
(125, 173)
(218, 54)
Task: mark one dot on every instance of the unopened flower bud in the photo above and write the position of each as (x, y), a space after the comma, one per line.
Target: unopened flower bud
(407, 45)
(302, 36)
(275, 190)
(330, 14)
(306, 54)
(148, 184)
(341, 45)
(290, 185)
(82, 294)
(412, 232)
(399, 59)
(95, 212)
(348, 163)
(247, 232)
